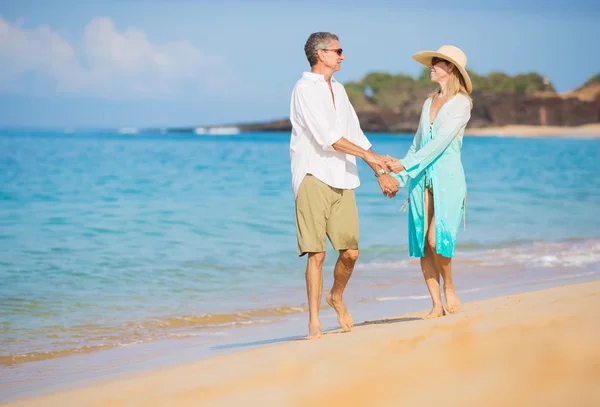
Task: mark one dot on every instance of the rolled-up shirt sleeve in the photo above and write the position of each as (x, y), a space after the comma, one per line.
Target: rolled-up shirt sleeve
(310, 108)
(417, 161)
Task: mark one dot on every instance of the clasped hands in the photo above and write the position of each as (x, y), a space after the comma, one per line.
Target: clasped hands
(388, 184)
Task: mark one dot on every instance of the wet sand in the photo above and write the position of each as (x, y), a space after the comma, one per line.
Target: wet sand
(533, 349)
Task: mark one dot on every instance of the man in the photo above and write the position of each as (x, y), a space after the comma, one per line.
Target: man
(326, 138)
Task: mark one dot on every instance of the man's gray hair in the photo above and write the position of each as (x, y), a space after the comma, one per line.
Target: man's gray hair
(315, 42)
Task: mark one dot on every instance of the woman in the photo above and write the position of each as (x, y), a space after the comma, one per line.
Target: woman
(437, 191)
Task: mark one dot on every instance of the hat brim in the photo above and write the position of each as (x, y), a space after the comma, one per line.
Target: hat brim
(424, 57)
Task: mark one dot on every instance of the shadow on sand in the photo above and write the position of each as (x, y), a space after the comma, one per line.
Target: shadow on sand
(332, 331)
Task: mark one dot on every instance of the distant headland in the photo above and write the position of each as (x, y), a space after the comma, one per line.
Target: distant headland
(525, 104)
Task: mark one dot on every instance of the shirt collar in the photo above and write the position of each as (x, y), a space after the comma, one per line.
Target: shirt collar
(315, 77)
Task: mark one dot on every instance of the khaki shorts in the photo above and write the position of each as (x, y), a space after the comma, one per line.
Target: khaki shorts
(323, 210)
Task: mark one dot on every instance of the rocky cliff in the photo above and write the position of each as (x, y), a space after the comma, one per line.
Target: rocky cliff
(392, 103)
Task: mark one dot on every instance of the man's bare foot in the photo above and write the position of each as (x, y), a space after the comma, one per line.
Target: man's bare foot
(436, 312)
(344, 317)
(314, 331)
(452, 301)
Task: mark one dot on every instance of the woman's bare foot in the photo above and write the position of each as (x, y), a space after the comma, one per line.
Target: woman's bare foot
(314, 331)
(344, 318)
(436, 312)
(452, 301)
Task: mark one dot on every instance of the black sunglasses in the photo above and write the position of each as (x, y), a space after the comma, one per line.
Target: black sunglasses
(338, 51)
(435, 60)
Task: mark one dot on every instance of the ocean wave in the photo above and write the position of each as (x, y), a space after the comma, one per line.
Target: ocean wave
(536, 254)
(422, 297)
(567, 254)
(565, 260)
(10, 360)
(86, 338)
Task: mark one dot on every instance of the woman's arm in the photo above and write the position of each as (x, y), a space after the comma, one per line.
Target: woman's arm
(395, 166)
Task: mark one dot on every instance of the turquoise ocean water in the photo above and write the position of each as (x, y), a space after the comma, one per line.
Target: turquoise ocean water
(126, 242)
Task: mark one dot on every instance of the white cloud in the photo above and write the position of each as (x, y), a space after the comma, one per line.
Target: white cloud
(106, 63)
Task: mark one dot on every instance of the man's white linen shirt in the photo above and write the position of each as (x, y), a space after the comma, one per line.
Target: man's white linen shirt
(316, 125)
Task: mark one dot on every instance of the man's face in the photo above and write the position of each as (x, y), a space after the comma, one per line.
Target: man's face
(331, 59)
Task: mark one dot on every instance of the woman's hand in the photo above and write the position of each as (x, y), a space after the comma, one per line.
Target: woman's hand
(389, 185)
(393, 164)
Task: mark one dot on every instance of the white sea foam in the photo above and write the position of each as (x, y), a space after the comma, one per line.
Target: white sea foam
(576, 254)
(221, 131)
(381, 299)
(541, 255)
(407, 297)
(128, 130)
(386, 265)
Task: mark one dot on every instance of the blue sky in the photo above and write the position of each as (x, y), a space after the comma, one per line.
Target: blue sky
(191, 62)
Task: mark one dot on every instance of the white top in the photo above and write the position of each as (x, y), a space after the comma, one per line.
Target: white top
(316, 125)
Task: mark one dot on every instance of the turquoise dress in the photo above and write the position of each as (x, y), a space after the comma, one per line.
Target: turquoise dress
(435, 155)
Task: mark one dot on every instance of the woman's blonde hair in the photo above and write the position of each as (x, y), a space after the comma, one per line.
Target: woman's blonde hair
(456, 84)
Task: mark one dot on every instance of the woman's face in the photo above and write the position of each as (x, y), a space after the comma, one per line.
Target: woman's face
(440, 69)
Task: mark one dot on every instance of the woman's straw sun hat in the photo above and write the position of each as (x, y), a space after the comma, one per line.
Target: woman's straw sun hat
(451, 54)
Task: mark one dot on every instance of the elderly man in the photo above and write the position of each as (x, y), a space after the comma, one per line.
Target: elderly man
(326, 138)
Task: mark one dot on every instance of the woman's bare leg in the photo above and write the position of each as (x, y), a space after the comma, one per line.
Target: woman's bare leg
(430, 271)
(444, 265)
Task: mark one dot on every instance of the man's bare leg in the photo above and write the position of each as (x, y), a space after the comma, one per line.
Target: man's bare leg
(341, 274)
(314, 290)
(444, 264)
(430, 272)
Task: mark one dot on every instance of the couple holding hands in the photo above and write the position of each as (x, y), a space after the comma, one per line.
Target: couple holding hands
(326, 139)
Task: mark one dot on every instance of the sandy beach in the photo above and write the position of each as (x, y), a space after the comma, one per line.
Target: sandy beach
(587, 131)
(534, 349)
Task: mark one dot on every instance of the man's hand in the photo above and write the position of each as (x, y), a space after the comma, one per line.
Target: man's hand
(375, 161)
(393, 164)
(388, 184)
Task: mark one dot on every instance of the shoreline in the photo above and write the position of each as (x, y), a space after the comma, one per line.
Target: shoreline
(397, 289)
(519, 131)
(526, 131)
(550, 335)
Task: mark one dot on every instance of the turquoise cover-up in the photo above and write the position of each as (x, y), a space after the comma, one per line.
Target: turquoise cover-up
(436, 150)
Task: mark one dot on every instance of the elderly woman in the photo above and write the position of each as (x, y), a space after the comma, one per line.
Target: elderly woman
(433, 168)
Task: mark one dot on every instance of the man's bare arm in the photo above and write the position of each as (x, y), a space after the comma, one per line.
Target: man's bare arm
(389, 186)
(375, 161)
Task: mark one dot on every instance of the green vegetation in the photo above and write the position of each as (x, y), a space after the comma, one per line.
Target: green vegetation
(594, 80)
(382, 89)
(499, 82)
(386, 90)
